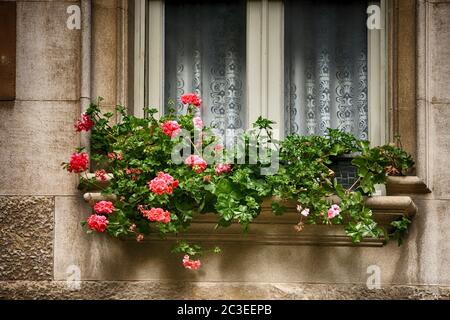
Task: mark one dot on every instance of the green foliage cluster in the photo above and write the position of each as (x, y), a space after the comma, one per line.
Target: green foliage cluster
(304, 176)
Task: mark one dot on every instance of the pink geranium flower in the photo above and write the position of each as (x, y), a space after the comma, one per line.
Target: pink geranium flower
(133, 171)
(163, 183)
(222, 168)
(104, 207)
(333, 211)
(113, 155)
(197, 163)
(97, 223)
(156, 214)
(305, 212)
(171, 128)
(100, 175)
(191, 264)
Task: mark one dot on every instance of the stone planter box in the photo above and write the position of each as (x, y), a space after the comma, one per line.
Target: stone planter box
(268, 228)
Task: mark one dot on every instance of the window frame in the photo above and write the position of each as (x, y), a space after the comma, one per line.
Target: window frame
(265, 64)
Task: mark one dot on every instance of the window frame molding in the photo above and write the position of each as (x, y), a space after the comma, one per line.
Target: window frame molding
(139, 57)
(378, 80)
(265, 63)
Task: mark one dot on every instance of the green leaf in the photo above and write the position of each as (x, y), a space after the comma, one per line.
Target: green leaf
(278, 209)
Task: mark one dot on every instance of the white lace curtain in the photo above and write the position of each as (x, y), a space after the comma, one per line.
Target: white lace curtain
(205, 53)
(326, 67)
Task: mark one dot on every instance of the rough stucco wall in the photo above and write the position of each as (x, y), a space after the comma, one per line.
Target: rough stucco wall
(48, 94)
(210, 290)
(26, 238)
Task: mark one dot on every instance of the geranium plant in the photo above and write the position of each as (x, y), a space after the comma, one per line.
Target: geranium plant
(166, 171)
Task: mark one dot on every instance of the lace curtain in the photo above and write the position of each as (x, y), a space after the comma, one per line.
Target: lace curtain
(326, 67)
(205, 54)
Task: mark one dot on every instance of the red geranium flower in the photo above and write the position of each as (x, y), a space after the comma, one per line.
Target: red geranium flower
(78, 162)
(84, 124)
(191, 98)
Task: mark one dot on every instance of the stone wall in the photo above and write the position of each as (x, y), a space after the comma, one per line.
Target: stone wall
(36, 134)
(40, 207)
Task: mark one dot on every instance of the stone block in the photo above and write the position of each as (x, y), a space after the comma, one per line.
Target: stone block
(35, 138)
(48, 53)
(439, 47)
(439, 149)
(433, 241)
(26, 237)
(105, 3)
(104, 53)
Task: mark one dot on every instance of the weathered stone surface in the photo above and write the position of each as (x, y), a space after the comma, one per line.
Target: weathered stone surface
(404, 75)
(433, 241)
(211, 290)
(106, 3)
(104, 51)
(440, 150)
(101, 257)
(439, 46)
(26, 238)
(35, 137)
(48, 53)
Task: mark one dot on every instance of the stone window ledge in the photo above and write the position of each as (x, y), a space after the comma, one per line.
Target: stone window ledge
(406, 185)
(279, 230)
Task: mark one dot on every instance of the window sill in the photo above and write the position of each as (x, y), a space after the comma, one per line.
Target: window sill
(279, 230)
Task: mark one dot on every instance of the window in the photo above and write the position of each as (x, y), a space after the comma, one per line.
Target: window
(206, 55)
(326, 68)
(305, 64)
(7, 50)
